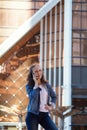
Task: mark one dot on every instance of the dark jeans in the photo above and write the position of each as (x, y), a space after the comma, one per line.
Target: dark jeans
(43, 119)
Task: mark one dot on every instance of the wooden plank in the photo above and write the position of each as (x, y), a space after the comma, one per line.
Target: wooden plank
(2, 39)
(16, 5)
(5, 32)
(14, 18)
(24, 5)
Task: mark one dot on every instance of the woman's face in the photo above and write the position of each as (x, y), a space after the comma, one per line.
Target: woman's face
(37, 72)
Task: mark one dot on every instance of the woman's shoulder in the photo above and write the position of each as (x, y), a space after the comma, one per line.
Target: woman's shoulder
(48, 84)
(28, 86)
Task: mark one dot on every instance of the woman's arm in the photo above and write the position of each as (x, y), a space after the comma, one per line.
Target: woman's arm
(52, 97)
(32, 91)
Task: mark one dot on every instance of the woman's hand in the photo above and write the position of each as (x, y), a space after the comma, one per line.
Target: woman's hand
(48, 107)
(36, 80)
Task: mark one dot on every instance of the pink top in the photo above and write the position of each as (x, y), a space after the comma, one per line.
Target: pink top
(43, 99)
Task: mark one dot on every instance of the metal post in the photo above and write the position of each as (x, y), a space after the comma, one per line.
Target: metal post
(20, 122)
(67, 59)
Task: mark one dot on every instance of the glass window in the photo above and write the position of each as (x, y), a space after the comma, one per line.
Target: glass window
(77, 1)
(76, 47)
(83, 61)
(84, 6)
(84, 1)
(76, 6)
(79, 42)
(76, 34)
(76, 61)
(84, 34)
(84, 20)
(84, 47)
(84, 75)
(76, 20)
(75, 75)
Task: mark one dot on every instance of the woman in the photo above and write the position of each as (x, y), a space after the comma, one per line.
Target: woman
(40, 93)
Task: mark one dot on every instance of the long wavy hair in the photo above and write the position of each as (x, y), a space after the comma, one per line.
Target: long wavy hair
(30, 80)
